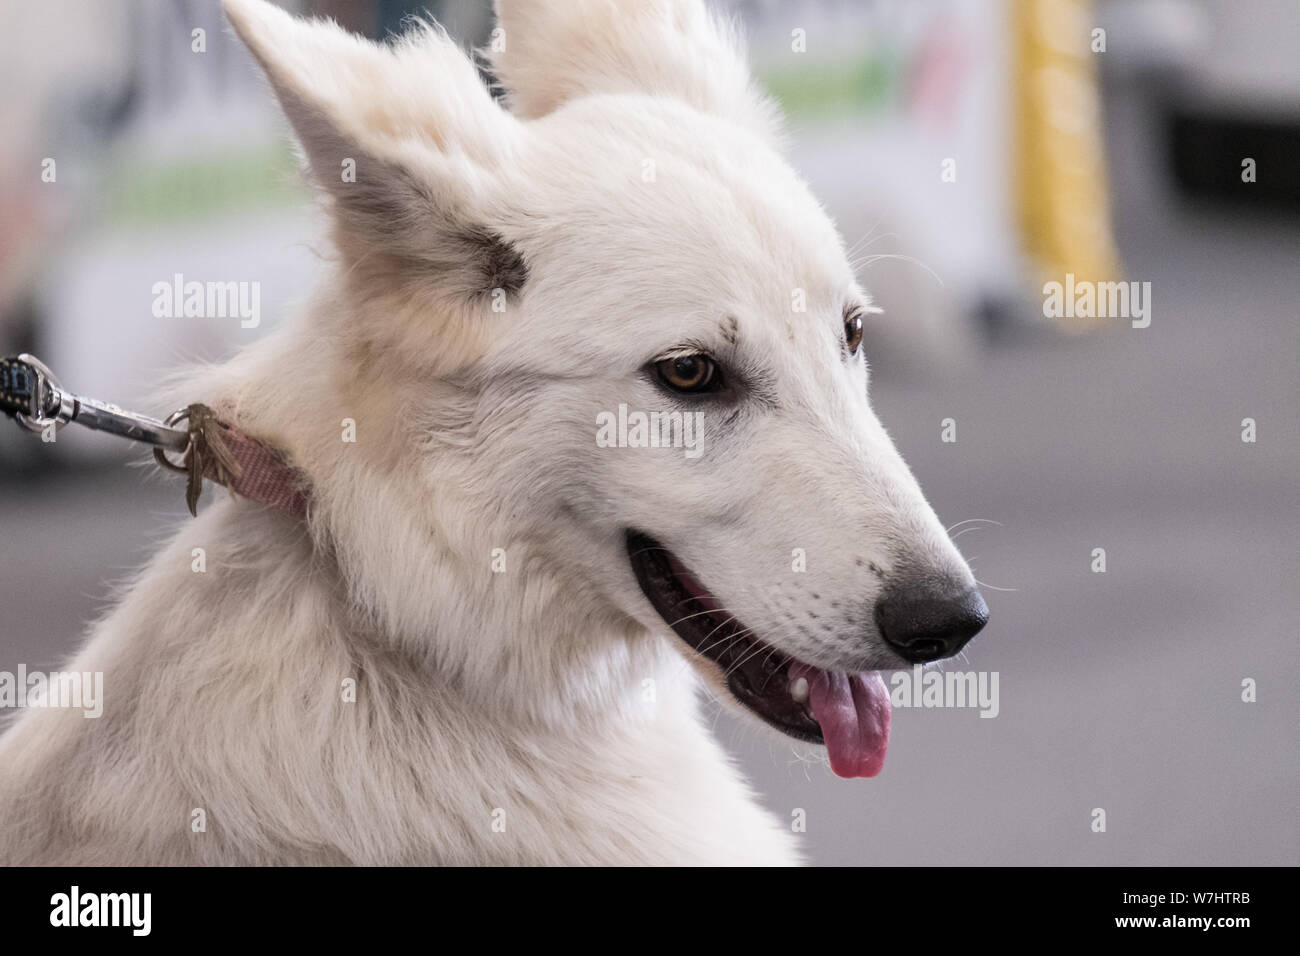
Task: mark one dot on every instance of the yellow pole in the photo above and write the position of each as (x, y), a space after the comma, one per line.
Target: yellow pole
(1063, 196)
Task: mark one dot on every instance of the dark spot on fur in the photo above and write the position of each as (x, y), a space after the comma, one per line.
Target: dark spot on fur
(729, 422)
(394, 225)
(501, 265)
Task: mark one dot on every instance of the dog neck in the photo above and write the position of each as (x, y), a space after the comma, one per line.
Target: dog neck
(434, 567)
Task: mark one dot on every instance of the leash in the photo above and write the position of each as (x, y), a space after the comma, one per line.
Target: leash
(210, 448)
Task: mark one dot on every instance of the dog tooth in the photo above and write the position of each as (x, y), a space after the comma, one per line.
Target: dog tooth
(799, 689)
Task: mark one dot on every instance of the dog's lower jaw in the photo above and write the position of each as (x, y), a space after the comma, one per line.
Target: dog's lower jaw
(245, 723)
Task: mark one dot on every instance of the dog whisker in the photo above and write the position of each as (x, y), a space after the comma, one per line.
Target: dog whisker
(951, 528)
(993, 587)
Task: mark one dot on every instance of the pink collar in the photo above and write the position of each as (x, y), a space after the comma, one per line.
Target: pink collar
(252, 470)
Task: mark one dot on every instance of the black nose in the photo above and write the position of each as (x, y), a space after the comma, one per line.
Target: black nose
(925, 627)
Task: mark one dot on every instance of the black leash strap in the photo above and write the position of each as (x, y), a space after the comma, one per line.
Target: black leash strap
(19, 389)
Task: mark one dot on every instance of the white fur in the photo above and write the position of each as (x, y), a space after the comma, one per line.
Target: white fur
(521, 692)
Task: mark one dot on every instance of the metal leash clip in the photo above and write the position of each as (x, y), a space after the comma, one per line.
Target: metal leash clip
(212, 450)
(31, 394)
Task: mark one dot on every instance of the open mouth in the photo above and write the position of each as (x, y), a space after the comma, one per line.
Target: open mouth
(848, 713)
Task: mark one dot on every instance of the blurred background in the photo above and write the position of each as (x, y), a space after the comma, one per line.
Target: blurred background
(971, 151)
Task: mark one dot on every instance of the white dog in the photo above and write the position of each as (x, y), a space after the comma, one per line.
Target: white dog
(485, 642)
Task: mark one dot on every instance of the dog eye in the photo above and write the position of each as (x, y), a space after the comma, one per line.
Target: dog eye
(688, 373)
(853, 332)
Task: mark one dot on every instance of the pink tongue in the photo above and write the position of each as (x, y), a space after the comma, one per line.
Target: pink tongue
(853, 711)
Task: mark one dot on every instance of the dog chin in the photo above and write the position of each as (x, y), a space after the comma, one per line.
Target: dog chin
(847, 712)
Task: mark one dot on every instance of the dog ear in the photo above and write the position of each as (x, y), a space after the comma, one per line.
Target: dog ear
(405, 140)
(549, 52)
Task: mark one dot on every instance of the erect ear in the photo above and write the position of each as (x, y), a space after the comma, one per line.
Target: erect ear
(404, 139)
(550, 52)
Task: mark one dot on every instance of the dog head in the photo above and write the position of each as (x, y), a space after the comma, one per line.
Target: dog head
(642, 338)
